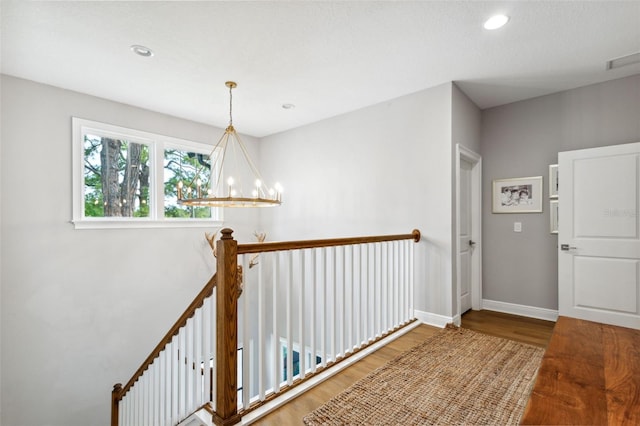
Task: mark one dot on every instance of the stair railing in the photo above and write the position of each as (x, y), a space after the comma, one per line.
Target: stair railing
(328, 298)
(307, 305)
(176, 378)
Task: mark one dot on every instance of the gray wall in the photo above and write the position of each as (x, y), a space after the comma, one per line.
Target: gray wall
(81, 309)
(466, 127)
(522, 139)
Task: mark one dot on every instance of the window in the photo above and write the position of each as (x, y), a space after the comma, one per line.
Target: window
(295, 359)
(128, 178)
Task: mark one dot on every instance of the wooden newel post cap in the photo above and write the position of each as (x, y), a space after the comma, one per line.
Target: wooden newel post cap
(117, 387)
(416, 235)
(226, 234)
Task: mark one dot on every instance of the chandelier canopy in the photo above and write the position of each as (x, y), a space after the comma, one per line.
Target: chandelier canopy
(244, 185)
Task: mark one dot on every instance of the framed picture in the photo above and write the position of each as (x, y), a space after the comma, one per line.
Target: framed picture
(553, 216)
(553, 181)
(517, 195)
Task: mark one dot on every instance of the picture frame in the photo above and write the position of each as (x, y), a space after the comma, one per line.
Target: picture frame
(553, 181)
(517, 195)
(553, 215)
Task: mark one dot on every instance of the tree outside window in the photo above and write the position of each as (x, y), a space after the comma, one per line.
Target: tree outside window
(116, 177)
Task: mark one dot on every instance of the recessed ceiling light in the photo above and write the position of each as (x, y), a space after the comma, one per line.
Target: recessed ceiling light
(496, 22)
(288, 106)
(141, 50)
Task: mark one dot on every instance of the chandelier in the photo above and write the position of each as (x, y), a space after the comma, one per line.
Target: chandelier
(244, 186)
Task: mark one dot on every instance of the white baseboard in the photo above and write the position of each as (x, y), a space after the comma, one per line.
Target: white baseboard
(435, 320)
(522, 310)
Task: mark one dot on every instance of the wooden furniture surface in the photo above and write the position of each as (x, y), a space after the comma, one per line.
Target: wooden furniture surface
(590, 375)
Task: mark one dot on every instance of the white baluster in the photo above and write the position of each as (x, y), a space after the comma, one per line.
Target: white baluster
(371, 288)
(378, 292)
(301, 309)
(411, 281)
(188, 367)
(314, 302)
(357, 266)
(214, 348)
(128, 411)
(155, 394)
(343, 317)
(262, 323)
(246, 354)
(197, 358)
(289, 308)
(275, 341)
(398, 285)
(385, 287)
(405, 283)
(365, 298)
(139, 403)
(334, 305)
(181, 375)
(205, 348)
(352, 301)
(162, 384)
(323, 322)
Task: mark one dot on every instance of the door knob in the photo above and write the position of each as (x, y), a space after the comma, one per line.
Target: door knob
(472, 243)
(567, 247)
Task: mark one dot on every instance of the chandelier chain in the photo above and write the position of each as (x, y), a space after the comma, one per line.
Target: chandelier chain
(230, 105)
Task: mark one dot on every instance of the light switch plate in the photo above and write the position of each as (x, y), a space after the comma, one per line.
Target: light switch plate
(517, 226)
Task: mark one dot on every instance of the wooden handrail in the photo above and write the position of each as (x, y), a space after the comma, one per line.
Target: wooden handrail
(120, 391)
(304, 244)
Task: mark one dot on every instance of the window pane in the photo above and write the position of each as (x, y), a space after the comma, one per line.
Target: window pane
(188, 167)
(116, 177)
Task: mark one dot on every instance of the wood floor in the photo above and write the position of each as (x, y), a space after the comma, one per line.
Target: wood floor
(527, 330)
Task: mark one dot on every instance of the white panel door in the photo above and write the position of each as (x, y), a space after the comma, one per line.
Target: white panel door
(599, 234)
(464, 235)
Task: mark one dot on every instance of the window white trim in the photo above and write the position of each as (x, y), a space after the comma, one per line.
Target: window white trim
(157, 145)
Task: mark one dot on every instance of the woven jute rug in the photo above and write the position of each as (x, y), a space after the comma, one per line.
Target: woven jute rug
(456, 377)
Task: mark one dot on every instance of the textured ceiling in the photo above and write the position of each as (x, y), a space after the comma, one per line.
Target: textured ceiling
(327, 58)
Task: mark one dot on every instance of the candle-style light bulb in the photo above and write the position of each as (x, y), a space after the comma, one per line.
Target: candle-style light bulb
(180, 185)
(199, 187)
(257, 190)
(230, 183)
(279, 191)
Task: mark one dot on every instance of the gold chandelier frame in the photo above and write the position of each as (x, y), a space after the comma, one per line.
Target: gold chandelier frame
(233, 194)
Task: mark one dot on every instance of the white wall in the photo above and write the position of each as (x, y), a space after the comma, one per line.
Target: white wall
(522, 139)
(81, 309)
(384, 169)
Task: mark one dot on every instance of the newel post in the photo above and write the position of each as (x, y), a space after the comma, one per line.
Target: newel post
(115, 403)
(227, 331)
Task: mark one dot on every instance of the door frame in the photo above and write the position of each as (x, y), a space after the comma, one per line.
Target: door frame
(463, 153)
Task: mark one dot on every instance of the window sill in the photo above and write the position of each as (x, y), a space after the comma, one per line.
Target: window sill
(145, 223)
